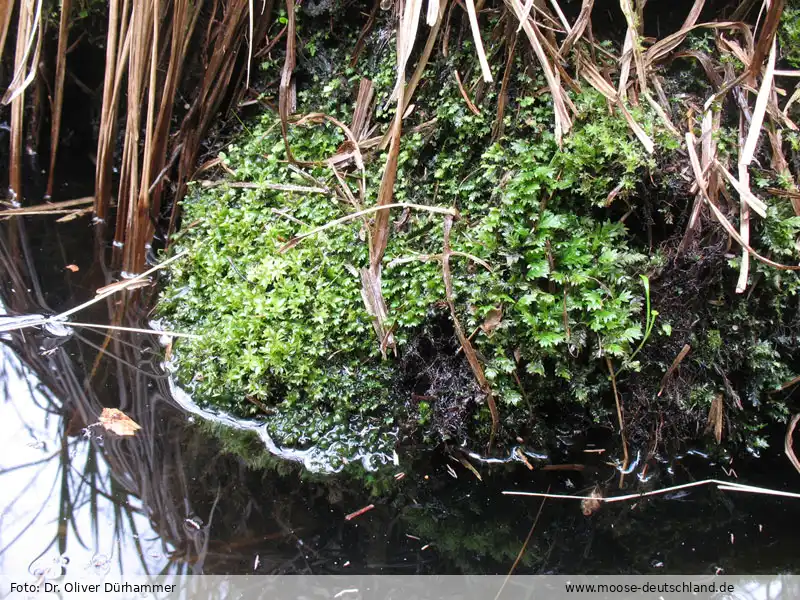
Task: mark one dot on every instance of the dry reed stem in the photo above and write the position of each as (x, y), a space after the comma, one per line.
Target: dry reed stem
(768, 33)
(745, 195)
(424, 56)
(583, 20)
(432, 16)
(6, 12)
(561, 16)
(287, 78)
(58, 101)
(104, 166)
(61, 318)
(590, 73)
(24, 21)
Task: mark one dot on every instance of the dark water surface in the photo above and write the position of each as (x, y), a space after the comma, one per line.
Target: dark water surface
(173, 499)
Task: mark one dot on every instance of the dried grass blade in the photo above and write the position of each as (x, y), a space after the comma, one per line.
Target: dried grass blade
(621, 419)
(744, 193)
(362, 109)
(249, 40)
(476, 36)
(33, 31)
(407, 34)
(597, 81)
(662, 114)
(766, 41)
(561, 16)
(722, 485)
(424, 56)
(664, 46)
(698, 173)
(584, 18)
(563, 122)
(760, 109)
(625, 64)
(131, 329)
(636, 49)
(526, 12)
(502, 97)
(47, 207)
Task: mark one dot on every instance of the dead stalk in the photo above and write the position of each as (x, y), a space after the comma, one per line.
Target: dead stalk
(621, 419)
(469, 351)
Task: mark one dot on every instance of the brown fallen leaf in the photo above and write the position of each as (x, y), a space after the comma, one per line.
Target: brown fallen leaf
(113, 419)
(73, 268)
(493, 319)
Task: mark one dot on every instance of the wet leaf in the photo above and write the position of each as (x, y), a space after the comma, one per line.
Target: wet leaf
(493, 319)
(113, 419)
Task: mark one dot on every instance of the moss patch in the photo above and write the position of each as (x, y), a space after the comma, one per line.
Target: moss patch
(548, 253)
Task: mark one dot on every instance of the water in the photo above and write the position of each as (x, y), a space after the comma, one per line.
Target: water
(176, 497)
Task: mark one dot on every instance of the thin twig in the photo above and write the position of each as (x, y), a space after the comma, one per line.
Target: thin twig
(621, 421)
(722, 485)
(681, 355)
(131, 329)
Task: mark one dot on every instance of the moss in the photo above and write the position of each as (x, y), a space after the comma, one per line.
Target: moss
(546, 274)
(789, 35)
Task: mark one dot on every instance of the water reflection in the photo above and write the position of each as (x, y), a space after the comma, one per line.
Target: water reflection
(188, 496)
(61, 506)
